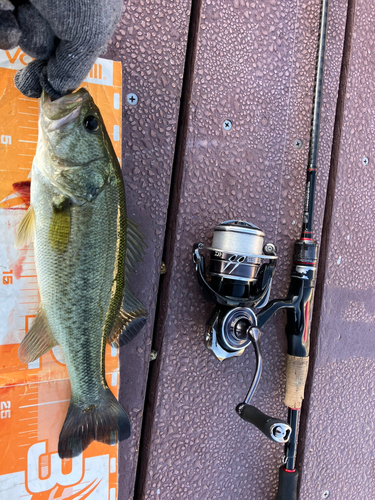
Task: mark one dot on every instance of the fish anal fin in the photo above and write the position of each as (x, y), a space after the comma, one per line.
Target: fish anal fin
(135, 246)
(129, 321)
(59, 228)
(38, 340)
(102, 420)
(26, 228)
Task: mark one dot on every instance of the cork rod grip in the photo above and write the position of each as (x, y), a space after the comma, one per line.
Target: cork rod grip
(296, 374)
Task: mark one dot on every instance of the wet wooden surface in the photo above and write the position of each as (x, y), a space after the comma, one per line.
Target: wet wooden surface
(340, 427)
(150, 41)
(255, 67)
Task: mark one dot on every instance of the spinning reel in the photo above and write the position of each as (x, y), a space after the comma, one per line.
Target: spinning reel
(239, 279)
(241, 268)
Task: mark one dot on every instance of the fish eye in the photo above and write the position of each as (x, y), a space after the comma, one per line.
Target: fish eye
(91, 123)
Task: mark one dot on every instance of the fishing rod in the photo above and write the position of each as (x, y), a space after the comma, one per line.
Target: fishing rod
(239, 278)
(303, 279)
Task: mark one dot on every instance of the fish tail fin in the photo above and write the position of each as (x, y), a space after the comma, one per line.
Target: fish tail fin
(105, 421)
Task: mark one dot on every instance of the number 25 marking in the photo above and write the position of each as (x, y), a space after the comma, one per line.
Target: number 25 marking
(5, 413)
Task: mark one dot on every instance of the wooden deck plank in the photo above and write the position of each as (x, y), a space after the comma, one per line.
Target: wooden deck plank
(255, 67)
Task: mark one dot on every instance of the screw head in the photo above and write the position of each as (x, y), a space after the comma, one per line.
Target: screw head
(298, 144)
(269, 248)
(365, 161)
(325, 494)
(132, 99)
(227, 125)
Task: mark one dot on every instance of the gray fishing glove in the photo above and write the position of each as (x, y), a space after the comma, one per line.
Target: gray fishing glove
(64, 36)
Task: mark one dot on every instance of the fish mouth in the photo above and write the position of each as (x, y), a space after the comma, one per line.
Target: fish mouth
(64, 110)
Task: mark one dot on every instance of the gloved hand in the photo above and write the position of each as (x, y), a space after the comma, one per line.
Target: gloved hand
(64, 36)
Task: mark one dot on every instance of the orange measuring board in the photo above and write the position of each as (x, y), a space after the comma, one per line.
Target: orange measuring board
(34, 398)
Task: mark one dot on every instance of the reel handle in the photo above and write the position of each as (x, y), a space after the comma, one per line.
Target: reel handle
(275, 429)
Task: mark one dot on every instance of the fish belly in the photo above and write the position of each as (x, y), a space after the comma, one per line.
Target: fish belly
(76, 285)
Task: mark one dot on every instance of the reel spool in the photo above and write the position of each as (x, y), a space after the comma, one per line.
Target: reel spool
(236, 273)
(236, 251)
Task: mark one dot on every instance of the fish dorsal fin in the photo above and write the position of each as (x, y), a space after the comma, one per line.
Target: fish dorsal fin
(131, 319)
(59, 228)
(26, 229)
(135, 246)
(38, 340)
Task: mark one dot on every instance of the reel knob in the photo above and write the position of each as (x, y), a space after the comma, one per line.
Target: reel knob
(275, 429)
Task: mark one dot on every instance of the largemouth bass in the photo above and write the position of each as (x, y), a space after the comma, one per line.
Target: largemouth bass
(85, 248)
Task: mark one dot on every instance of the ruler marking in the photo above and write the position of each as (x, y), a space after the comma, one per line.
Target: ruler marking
(49, 403)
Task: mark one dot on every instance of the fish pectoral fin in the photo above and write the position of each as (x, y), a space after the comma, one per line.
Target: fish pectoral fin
(38, 340)
(22, 188)
(59, 227)
(25, 229)
(135, 246)
(129, 321)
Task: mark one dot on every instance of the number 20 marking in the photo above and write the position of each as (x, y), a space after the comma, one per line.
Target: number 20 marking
(5, 409)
